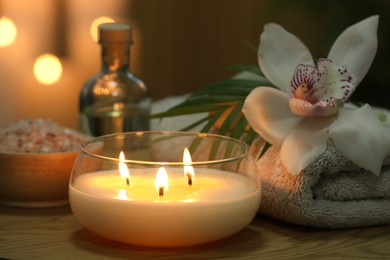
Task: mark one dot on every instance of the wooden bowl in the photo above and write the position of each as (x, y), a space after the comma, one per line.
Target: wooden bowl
(35, 179)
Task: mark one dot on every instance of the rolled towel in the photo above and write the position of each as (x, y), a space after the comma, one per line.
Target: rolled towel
(331, 193)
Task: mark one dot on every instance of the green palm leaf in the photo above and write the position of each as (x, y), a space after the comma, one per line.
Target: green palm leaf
(240, 128)
(222, 101)
(213, 118)
(240, 87)
(246, 67)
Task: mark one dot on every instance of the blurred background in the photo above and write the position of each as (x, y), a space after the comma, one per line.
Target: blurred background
(179, 46)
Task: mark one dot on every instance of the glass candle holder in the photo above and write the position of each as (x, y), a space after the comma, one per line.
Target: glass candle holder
(164, 189)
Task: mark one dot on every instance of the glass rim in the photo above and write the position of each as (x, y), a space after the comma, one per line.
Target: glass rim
(246, 148)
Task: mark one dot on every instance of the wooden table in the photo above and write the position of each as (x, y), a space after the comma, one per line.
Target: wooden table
(54, 233)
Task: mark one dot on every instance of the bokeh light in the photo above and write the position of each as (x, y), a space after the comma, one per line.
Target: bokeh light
(47, 69)
(96, 23)
(8, 32)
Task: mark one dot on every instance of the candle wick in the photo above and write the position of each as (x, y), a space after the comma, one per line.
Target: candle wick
(189, 179)
(161, 191)
(127, 181)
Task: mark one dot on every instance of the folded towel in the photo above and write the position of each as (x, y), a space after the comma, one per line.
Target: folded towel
(331, 193)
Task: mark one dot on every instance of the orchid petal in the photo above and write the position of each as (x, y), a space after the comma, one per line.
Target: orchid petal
(305, 144)
(361, 137)
(355, 48)
(303, 108)
(306, 82)
(268, 113)
(279, 54)
(341, 83)
(324, 84)
(321, 90)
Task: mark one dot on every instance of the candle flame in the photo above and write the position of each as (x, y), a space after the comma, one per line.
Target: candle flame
(123, 170)
(161, 183)
(189, 172)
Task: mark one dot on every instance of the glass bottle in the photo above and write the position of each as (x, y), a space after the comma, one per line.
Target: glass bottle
(114, 100)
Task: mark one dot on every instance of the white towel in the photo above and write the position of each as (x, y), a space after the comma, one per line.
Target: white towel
(331, 193)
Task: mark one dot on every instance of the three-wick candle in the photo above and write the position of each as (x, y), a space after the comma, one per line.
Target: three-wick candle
(140, 209)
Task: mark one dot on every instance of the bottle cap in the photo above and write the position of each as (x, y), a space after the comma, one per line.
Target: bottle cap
(115, 32)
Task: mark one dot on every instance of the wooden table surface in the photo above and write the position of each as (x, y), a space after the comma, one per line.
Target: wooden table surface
(54, 233)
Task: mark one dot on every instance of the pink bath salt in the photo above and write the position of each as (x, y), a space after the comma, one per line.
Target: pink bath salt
(39, 136)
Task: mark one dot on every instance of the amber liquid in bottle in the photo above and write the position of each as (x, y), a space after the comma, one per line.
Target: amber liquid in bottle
(114, 100)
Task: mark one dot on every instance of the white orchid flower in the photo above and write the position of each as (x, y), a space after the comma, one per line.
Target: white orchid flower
(308, 112)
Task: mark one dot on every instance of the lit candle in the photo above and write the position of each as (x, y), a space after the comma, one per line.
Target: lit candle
(161, 182)
(123, 170)
(219, 204)
(188, 169)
